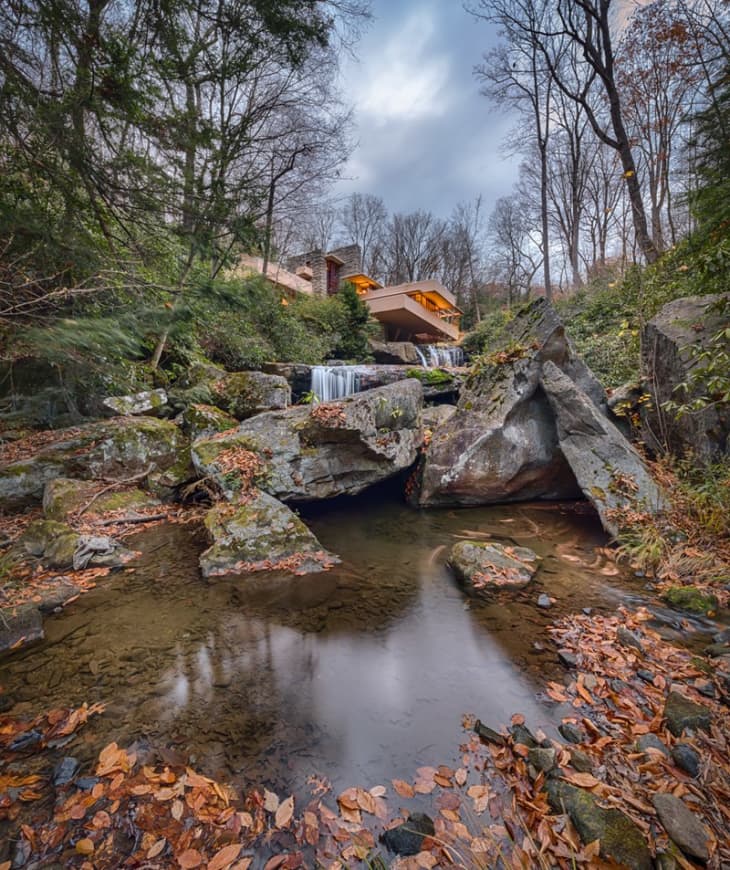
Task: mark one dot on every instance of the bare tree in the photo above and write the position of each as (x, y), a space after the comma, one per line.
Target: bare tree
(412, 249)
(514, 249)
(363, 219)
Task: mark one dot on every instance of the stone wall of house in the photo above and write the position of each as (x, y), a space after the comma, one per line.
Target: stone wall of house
(351, 258)
(317, 262)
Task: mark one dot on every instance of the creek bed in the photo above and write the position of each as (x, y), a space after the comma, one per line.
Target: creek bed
(359, 675)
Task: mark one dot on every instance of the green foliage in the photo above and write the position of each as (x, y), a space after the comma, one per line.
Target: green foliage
(489, 332)
(430, 377)
(353, 342)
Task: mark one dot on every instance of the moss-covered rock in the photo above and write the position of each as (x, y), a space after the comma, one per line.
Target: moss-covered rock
(201, 419)
(146, 402)
(260, 535)
(620, 838)
(113, 449)
(690, 599)
(487, 567)
(52, 542)
(63, 497)
(682, 713)
(245, 394)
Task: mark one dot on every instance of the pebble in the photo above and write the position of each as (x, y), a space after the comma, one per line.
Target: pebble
(406, 839)
(628, 638)
(687, 759)
(572, 733)
(65, 771)
(544, 601)
(542, 759)
(523, 735)
(569, 659)
(682, 713)
(488, 734)
(587, 611)
(580, 761)
(651, 741)
(646, 676)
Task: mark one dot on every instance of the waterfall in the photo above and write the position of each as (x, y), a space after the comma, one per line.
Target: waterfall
(334, 382)
(421, 356)
(443, 355)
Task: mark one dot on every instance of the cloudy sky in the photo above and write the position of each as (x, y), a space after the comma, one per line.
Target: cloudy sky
(427, 138)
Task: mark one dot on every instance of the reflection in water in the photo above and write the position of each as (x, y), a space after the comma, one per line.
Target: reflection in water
(359, 674)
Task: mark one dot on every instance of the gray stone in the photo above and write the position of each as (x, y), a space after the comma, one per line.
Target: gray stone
(260, 535)
(668, 360)
(715, 650)
(318, 452)
(65, 771)
(580, 761)
(542, 759)
(20, 626)
(610, 472)
(488, 567)
(436, 415)
(114, 449)
(63, 497)
(407, 839)
(686, 758)
(57, 545)
(397, 352)
(568, 658)
(146, 402)
(682, 825)
(489, 734)
(620, 839)
(199, 419)
(682, 713)
(502, 443)
(572, 733)
(651, 741)
(245, 394)
(544, 601)
(628, 638)
(522, 734)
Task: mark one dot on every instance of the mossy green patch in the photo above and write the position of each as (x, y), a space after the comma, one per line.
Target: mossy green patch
(690, 599)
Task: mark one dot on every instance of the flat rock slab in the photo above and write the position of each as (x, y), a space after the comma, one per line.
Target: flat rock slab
(489, 567)
(64, 497)
(318, 452)
(620, 839)
(683, 826)
(261, 535)
(20, 626)
(609, 471)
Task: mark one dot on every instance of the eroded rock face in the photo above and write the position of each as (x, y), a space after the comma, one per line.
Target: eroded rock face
(115, 449)
(667, 360)
(321, 451)
(436, 415)
(261, 534)
(488, 567)
(502, 443)
(395, 352)
(609, 471)
(201, 419)
(147, 402)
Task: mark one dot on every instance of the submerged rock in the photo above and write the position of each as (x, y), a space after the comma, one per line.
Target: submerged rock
(610, 472)
(114, 449)
(261, 535)
(20, 626)
(310, 453)
(671, 344)
(690, 599)
(502, 444)
(683, 827)
(488, 567)
(149, 401)
(620, 839)
(407, 839)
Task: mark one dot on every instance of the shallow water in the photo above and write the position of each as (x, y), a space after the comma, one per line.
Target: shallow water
(360, 674)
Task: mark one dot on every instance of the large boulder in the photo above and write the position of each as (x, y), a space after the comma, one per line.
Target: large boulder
(502, 443)
(57, 545)
(321, 451)
(115, 449)
(201, 419)
(63, 497)
(240, 394)
(395, 352)
(610, 472)
(260, 534)
(487, 567)
(673, 343)
(146, 402)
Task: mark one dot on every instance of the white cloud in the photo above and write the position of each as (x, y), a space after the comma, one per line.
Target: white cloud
(404, 78)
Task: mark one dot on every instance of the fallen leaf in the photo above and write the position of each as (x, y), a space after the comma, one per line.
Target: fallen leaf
(156, 848)
(224, 857)
(404, 789)
(189, 859)
(285, 812)
(271, 801)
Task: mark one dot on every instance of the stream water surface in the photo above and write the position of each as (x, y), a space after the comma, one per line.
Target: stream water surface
(359, 674)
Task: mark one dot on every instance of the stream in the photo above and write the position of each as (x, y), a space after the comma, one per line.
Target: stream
(360, 674)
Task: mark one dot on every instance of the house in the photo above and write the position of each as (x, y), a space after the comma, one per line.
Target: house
(420, 311)
(283, 280)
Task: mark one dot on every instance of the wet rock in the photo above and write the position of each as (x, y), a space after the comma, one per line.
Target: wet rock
(628, 638)
(502, 444)
(580, 761)
(55, 597)
(568, 658)
(20, 626)
(715, 650)
(258, 536)
(645, 675)
(489, 734)
(522, 734)
(722, 636)
(86, 783)
(198, 420)
(487, 567)
(690, 599)
(620, 839)
(26, 740)
(57, 545)
(651, 741)
(318, 452)
(407, 839)
(667, 360)
(542, 759)
(434, 416)
(686, 758)
(705, 687)
(572, 733)
(544, 601)
(63, 497)
(116, 449)
(149, 401)
(610, 472)
(682, 713)
(65, 771)
(394, 352)
(682, 825)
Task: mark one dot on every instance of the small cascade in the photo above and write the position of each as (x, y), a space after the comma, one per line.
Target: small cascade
(443, 355)
(421, 356)
(334, 382)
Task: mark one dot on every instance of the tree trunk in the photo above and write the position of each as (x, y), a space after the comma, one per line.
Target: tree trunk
(544, 218)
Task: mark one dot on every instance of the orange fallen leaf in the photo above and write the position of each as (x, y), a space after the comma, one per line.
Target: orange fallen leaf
(285, 812)
(189, 859)
(85, 847)
(225, 857)
(156, 848)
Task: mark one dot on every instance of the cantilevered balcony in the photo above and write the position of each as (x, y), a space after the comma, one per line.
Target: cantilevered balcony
(424, 310)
